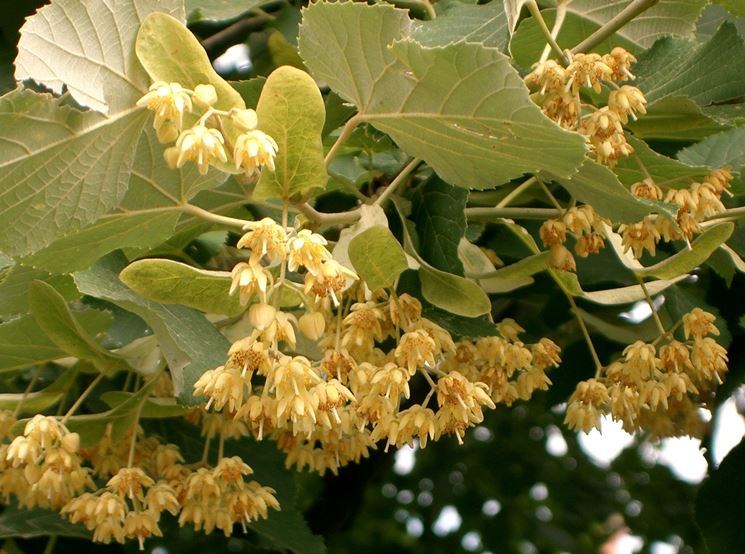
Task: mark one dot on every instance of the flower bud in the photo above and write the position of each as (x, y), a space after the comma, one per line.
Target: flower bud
(167, 132)
(245, 119)
(312, 325)
(205, 95)
(170, 155)
(71, 442)
(261, 316)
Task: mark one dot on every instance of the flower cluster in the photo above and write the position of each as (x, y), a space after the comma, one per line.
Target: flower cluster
(658, 387)
(696, 203)
(587, 228)
(328, 410)
(215, 138)
(559, 88)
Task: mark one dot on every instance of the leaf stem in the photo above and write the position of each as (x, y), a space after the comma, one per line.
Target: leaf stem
(221, 445)
(346, 132)
(400, 178)
(517, 191)
(656, 316)
(536, 13)
(585, 333)
(551, 197)
(561, 12)
(215, 218)
(131, 457)
(82, 398)
(26, 392)
(622, 18)
(51, 543)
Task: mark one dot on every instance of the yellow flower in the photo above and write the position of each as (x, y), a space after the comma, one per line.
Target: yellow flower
(168, 101)
(307, 249)
(247, 278)
(200, 144)
(253, 150)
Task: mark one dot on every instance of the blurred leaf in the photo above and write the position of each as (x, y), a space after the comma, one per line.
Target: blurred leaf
(36, 522)
(291, 111)
(440, 223)
(152, 408)
(219, 10)
(170, 282)
(414, 94)
(665, 70)
(189, 342)
(171, 53)
(610, 297)
(377, 257)
(14, 287)
(716, 151)
(38, 401)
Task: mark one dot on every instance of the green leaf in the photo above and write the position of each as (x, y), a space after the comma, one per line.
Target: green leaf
(611, 297)
(456, 21)
(288, 530)
(14, 287)
(674, 118)
(69, 44)
(60, 168)
(597, 185)
(620, 331)
(666, 172)
(735, 7)
(688, 259)
(219, 10)
(28, 524)
(24, 344)
(479, 267)
(720, 501)
(512, 9)
(50, 310)
(517, 274)
(172, 282)
(438, 211)
(462, 108)
(716, 151)
(705, 73)
(453, 293)
(291, 111)
(377, 257)
(170, 52)
(152, 408)
(38, 401)
(189, 342)
(146, 217)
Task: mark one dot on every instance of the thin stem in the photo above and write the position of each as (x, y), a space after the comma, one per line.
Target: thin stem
(131, 457)
(400, 178)
(518, 190)
(206, 451)
(82, 398)
(277, 291)
(218, 42)
(536, 13)
(550, 196)
(561, 12)
(428, 378)
(340, 218)
(624, 16)
(26, 392)
(221, 446)
(215, 218)
(586, 333)
(732, 213)
(51, 543)
(656, 316)
(346, 132)
(489, 214)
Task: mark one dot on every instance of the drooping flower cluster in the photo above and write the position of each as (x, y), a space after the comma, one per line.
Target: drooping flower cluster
(329, 410)
(218, 136)
(696, 203)
(658, 387)
(587, 228)
(559, 88)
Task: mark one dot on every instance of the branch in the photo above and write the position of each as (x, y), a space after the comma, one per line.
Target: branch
(561, 12)
(215, 218)
(340, 218)
(489, 214)
(400, 178)
(624, 16)
(536, 13)
(346, 132)
(232, 34)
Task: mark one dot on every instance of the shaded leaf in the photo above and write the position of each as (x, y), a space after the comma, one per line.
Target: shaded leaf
(456, 21)
(610, 297)
(152, 408)
(432, 101)
(292, 112)
(219, 10)
(27, 524)
(716, 151)
(674, 118)
(377, 257)
(15, 283)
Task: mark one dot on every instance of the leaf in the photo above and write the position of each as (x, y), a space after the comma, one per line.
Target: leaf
(152, 408)
(87, 47)
(38, 401)
(462, 108)
(716, 151)
(735, 7)
(190, 344)
(288, 530)
(60, 168)
(597, 185)
(512, 9)
(370, 216)
(456, 21)
(172, 282)
(438, 210)
(36, 522)
(291, 111)
(219, 10)
(377, 257)
(24, 344)
(620, 331)
(705, 73)
(688, 259)
(14, 287)
(170, 52)
(737, 261)
(664, 171)
(666, 17)
(455, 294)
(674, 118)
(50, 310)
(720, 500)
(146, 217)
(611, 297)
(479, 267)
